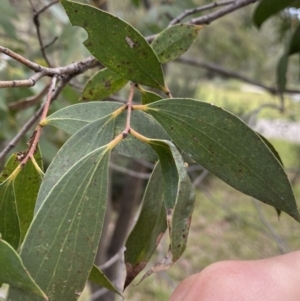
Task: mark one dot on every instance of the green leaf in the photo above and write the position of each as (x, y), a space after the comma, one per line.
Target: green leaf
(98, 277)
(292, 47)
(267, 8)
(281, 70)
(26, 187)
(174, 41)
(73, 118)
(94, 135)
(148, 96)
(9, 220)
(60, 246)
(102, 85)
(146, 125)
(294, 43)
(117, 45)
(179, 195)
(227, 147)
(11, 164)
(271, 147)
(13, 271)
(149, 229)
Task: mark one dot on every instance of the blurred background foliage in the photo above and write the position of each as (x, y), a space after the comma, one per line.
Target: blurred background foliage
(226, 224)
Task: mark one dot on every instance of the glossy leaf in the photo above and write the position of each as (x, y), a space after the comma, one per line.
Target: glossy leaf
(174, 41)
(102, 85)
(226, 146)
(14, 273)
(73, 118)
(117, 45)
(98, 277)
(9, 220)
(61, 244)
(86, 140)
(149, 228)
(267, 8)
(26, 186)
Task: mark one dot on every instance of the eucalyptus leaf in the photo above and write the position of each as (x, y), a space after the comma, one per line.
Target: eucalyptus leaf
(146, 125)
(174, 41)
(9, 220)
(179, 198)
(267, 8)
(179, 195)
(117, 45)
(14, 273)
(149, 228)
(98, 277)
(73, 118)
(223, 144)
(281, 70)
(26, 187)
(62, 241)
(11, 164)
(149, 97)
(103, 84)
(84, 141)
(292, 47)
(271, 147)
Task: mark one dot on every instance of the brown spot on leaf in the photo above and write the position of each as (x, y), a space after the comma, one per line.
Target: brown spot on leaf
(133, 271)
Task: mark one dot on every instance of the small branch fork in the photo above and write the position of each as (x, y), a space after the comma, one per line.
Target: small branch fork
(199, 9)
(36, 22)
(24, 157)
(72, 69)
(207, 19)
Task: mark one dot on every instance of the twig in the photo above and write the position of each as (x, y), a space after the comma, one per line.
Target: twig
(51, 43)
(26, 127)
(199, 9)
(36, 22)
(129, 172)
(228, 73)
(37, 133)
(207, 19)
(113, 259)
(47, 6)
(22, 82)
(28, 101)
(72, 69)
(129, 109)
(33, 66)
(200, 178)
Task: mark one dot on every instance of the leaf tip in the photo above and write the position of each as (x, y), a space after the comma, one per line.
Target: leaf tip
(133, 271)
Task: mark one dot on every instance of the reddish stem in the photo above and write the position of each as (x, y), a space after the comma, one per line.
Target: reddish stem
(34, 139)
